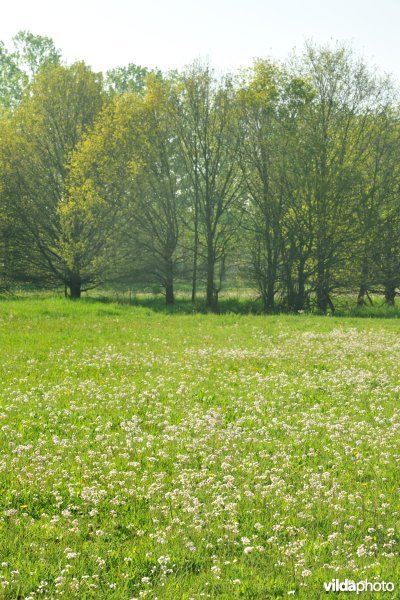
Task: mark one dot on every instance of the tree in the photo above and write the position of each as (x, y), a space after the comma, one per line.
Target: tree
(96, 214)
(19, 66)
(159, 184)
(375, 186)
(131, 78)
(130, 160)
(12, 80)
(258, 99)
(44, 131)
(385, 250)
(32, 52)
(208, 135)
(334, 144)
(7, 230)
(268, 102)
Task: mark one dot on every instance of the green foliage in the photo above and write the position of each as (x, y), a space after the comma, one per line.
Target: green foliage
(131, 78)
(36, 148)
(19, 66)
(102, 194)
(205, 120)
(12, 80)
(285, 176)
(32, 52)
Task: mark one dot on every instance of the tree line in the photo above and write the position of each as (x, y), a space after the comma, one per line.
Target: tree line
(282, 175)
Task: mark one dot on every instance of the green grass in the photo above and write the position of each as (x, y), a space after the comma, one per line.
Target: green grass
(232, 300)
(179, 456)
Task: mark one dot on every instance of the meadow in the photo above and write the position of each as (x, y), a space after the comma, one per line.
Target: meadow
(186, 456)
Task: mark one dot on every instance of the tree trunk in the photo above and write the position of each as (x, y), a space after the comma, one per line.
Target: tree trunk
(363, 289)
(75, 289)
(196, 240)
(301, 295)
(169, 294)
(390, 294)
(269, 296)
(361, 295)
(322, 301)
(211, 293)
(194, 275)
(290, 291)
(331, 305)
(322, 290)
(269, 302)
(169, 283)
(74, 284)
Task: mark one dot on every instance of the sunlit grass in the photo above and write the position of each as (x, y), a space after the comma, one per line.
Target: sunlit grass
(147, 454)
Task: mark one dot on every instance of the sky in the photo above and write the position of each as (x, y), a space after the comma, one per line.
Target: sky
(227, 33)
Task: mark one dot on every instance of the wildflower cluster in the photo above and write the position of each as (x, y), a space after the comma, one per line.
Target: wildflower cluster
(244, 457)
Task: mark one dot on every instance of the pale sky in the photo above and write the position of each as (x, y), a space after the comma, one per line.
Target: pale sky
(229, 33)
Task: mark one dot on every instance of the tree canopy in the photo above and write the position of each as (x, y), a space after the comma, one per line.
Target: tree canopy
(283, 176)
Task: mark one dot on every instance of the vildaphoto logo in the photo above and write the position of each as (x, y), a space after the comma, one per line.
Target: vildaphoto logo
(358, 586)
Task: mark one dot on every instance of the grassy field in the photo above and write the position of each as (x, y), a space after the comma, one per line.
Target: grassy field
(151, 455)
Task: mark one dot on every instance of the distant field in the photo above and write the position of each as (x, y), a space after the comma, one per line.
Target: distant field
(152, 455)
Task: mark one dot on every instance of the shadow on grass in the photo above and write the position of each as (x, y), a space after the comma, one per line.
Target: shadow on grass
(229, 304)
(244, 306)
(156, 303)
